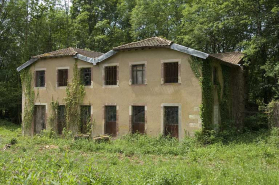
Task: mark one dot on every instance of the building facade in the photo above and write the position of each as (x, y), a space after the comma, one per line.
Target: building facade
(147, 87)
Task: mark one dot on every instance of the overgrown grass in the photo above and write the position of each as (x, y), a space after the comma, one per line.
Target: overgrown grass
(251, 158)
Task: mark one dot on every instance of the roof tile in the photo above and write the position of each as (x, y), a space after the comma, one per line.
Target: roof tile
(229, 57)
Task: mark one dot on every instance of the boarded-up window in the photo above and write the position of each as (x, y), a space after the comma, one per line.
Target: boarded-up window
(61, 118)
(62, 78)
(39, 118)
(85, 74)
(111, 75)
(110, 120)
(40, 79)
(215, 76)
(171, 72)
(138, 119)
(138, 74)
(171, 120)
(85, 118)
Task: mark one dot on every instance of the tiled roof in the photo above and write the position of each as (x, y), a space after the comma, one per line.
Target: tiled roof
(229, 57)
(69, 52)
(150, 42)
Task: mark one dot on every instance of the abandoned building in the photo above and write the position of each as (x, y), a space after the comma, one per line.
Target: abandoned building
(152, 86)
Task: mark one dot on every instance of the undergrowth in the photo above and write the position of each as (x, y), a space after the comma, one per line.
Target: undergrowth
(250, 158)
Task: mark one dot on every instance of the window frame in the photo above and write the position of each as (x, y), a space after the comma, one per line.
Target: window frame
(117, 75)
(104, 118)
(90, 114)
(57, 77)
(131, 64)
(35, 80)
(131, 114)
(163, 105)
(91, 68)
(163, 62)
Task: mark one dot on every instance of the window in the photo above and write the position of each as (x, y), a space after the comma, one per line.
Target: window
(171, 72)
(138, 119)
(215, 76)
(40, 79)
(61, 118)
(62, 77)
(171, 120)
(85, 118)
(110, 120)
(111, 75)
(85, 74)
(138, 74)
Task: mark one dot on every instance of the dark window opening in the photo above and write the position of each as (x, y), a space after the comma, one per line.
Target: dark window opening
(138, 74)
(39, 118)
(85, 74)
(111, 75)
(171, 72)
(171, 120)
(215, 76)
(138, 119)
(62, 77)
(40, 79)
(61, 118)
(85, 118)
(110, 120)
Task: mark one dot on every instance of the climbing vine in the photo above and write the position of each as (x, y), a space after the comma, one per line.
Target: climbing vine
(196, 66)
(29, 96)
(52, 120)
(207, 97)
(74, 97)
(225, 100)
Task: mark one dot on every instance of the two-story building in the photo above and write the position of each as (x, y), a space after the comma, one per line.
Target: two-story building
(147, 86)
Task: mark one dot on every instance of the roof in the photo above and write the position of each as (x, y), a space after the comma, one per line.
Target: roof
(149, 42)
(69, 52)
(229, 57)
(82, 54)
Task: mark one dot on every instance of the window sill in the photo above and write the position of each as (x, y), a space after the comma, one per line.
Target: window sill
(61, 87)
(178, 83)
(40, 88)
(110, 86)
(88, 86)
(135, 85)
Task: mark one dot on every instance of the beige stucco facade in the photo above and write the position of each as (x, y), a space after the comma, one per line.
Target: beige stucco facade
(153, 95)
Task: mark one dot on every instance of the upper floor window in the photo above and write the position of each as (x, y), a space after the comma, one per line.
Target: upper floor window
(62, 77)
(171, 72)
(138, 74)
(85, 75)
(111, 75)
(40, 79)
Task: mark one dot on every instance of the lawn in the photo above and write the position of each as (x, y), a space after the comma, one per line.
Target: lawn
(251, 158)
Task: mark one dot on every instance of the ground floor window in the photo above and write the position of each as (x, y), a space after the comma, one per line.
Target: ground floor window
(138, 119)
(39, 118)
(171, 119)
(85, 118)
(110, 120)
(61, 118)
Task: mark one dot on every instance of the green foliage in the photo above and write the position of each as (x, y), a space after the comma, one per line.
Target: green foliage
(52, 119)
(196, 66)
(74, 97)
(29, 96)
(44, 160)
(207, 97)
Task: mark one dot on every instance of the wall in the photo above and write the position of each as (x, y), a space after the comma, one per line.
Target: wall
(154, 94)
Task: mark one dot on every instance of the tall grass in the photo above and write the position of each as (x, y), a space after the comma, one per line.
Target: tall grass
(251, 158)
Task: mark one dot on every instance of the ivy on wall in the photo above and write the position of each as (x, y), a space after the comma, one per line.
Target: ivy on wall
(196, 66)
(29, 96)
(52, 120)
(74, 97)
(207, 97)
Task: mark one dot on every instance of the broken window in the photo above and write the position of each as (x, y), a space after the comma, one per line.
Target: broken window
(85, 74)
(138, 74)
(85, 118)
(171, 72)
(62, 79)
(40, 79)
(111, 75)
(171, 120)
(215, 76)
(138, 119)
(110, 120)
(61, 118)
